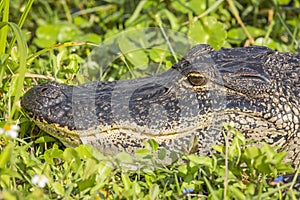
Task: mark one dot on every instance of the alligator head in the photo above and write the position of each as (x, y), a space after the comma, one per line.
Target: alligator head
(184, 108)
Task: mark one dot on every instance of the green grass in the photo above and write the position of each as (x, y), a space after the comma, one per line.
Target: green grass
(42, 41)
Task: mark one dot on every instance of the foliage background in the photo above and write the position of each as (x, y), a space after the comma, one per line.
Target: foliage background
(76, 25)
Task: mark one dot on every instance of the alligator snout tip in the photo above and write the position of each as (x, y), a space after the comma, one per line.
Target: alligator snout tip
(41, 96)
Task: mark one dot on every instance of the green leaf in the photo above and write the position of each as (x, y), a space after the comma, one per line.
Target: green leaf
(153, 145)
(143, 154)
(173, 156)
(10, 173)
(89, 37)
(228, 126)
(261, 164)
(219, 148)
(168, 193)
(135, 54)
(89, 169)
(58, 188)
(208, 31)
(136, 188)
(268, 42)
(183, 169)
(241, 138)
(157, 54)
(201, 160)
(104, 169)
(162, 153)
(252, 152)
(172, 19)
(154, 191)
(5, 155)
(136, 12)
(73, 66)
(198, 6)
(124, 157)
(285, 168)
(45, 139)
(210, 188)
(50, 154)
(142, 151)
(236, 193)
(238, 36)
(46, 35)
(67, 32)
(270, 151)
(251, 189)
(4, 29)
(85, 151)
(83, 185)
(189, 6)
(72, 157)
(126, 181)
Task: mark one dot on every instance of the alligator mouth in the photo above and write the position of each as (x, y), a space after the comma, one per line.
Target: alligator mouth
(145, 132)
(60, 132)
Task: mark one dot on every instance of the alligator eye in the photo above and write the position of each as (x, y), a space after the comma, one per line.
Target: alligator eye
(196, 79)
(43, 90)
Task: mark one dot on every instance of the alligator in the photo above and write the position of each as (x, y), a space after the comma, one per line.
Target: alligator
(183, 108)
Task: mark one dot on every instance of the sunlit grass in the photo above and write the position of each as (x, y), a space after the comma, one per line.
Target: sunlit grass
(38, 166)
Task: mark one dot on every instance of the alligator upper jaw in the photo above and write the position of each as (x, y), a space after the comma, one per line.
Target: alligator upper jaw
(99, 104)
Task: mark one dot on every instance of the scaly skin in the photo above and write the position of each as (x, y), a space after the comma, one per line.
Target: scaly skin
(184, 108)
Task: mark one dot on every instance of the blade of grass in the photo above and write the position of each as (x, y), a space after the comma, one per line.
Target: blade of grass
(287, 29)
(265, 195)
(67, 44)
(100, 9)
(4, 5)
(1, 6)
(207, 11)
(269, 30)
(213, 193)
(158, 21)
(21, 42)
(67, 11)
(136, 12)
(21, 22)
(239, 20)
(177, 184)
(3, 34)
(226, 163)
(4, 30)
(295, 177)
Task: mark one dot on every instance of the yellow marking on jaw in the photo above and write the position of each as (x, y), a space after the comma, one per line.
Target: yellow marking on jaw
(62, 133)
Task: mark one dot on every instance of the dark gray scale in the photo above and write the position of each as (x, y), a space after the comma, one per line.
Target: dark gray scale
(103, 97)
(143, 102)
(51, 102)
(243, 70)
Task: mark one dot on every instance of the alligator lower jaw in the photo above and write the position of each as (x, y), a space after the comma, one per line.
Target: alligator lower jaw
(66, 136)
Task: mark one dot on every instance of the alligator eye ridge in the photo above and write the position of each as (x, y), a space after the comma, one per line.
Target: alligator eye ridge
(196, 79)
